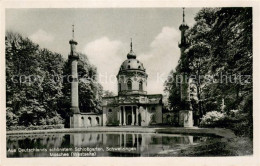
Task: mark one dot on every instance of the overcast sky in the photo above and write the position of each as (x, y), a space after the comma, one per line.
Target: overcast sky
(104, 35)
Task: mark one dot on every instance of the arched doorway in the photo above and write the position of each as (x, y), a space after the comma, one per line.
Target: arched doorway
(89, 121)
(139, 119)
(129, 119)
(97, 120)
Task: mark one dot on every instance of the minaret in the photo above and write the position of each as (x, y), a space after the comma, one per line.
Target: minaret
(185, 114)
(73, 58)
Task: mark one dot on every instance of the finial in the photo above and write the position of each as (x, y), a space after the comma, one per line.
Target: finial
(183, 14)
(131, 54)
(73, 31)
(131, 46)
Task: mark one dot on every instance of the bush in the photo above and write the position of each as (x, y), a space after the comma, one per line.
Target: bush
(55, 120)
(114, 123)
(43, 127)
(11, 118)
(237, 121)
(212, 119)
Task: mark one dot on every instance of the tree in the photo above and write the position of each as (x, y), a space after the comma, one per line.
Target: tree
(37, 85)
(172, 87)
(31, 91)
(220, 45)
(107, 93)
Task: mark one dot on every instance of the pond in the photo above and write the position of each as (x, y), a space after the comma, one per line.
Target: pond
(99, 144)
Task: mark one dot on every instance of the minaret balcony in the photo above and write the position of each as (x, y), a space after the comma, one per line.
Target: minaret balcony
(183, 27)
(74, 56)
(73, 42)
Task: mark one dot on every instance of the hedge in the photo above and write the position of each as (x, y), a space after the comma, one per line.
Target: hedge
(43, 127)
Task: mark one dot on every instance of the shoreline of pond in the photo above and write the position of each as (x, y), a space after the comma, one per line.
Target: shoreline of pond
(219, 132)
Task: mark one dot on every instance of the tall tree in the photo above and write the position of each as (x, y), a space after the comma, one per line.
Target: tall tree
(220, 50)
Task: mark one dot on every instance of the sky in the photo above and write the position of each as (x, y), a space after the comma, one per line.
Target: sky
(103, 34)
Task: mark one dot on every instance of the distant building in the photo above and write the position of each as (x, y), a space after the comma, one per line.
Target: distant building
(132, 105)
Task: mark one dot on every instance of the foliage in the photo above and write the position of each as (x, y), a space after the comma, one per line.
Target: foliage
(108, 93)
(114, 123)
(211, 119)
(220, 47)
(238, 146)
(235, 120)
(36, 89)
(42, 127)
(172, 87)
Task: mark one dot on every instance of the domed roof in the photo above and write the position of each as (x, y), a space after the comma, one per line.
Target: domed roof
(132, 64)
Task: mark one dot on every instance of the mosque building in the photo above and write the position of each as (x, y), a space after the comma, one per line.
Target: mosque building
(132, 105)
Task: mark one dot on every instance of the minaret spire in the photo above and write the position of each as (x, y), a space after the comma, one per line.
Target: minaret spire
(73, 31)
(131, 46)
(73, 44)
(183, 15)
(131, 54)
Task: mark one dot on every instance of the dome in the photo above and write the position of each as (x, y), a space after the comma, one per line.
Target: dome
(132, 78)
(132, 64)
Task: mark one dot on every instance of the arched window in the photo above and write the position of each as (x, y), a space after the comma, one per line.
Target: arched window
(82, 121)
(119, 87)
(97, 119)
(129, 85)
(89, 121)
(141, 86)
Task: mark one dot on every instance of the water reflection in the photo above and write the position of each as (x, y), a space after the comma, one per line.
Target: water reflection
(109, 144)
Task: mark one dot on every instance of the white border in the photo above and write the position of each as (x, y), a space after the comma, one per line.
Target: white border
(194, 161)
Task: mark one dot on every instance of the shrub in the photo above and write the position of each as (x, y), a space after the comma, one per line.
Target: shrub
(212, 119)
(236, 121)
(43, 127)
(116, 123)
(11, 118)
(55, 120)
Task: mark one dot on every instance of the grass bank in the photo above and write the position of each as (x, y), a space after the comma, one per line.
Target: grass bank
(236, 146)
